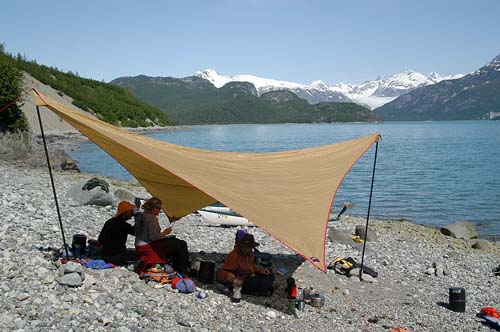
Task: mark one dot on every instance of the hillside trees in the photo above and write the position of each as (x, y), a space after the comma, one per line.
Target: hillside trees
(11, 119)
(108, 102)
(194, 100)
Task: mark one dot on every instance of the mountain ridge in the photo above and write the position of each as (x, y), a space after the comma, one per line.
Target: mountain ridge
(195, 100)
(370, 94)
(473, 96)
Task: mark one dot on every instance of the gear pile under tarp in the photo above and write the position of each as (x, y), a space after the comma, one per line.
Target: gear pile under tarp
(288, 194)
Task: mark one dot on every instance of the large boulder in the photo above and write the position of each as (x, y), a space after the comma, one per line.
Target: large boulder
(84, 194)
(124, 195)
(62, 161)
(460, 230)
(59, 160)
(14, 146)
(70, 279)
(370, 237)
(484, 245)
(338, 236)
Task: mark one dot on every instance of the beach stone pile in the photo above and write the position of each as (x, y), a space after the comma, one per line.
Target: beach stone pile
(71, 274)
(416, 265)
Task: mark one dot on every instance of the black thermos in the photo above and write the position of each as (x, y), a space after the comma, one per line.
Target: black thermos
(457, 299)
(207, 272)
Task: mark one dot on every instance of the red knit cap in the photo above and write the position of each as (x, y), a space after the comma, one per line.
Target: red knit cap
(123, 207)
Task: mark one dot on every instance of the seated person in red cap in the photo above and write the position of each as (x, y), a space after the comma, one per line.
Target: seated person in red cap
(113, 236)
(239, 269)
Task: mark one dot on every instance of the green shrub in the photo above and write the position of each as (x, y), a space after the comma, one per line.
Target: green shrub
(11, 119)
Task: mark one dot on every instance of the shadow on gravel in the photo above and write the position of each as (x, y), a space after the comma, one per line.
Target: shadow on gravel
(278, 300)
(444, 305)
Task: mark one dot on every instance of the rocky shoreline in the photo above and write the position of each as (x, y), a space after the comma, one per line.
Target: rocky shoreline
(416, 265)
(27, 148)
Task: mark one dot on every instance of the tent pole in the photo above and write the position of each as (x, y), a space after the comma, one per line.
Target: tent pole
(368, 214)
(52, 181)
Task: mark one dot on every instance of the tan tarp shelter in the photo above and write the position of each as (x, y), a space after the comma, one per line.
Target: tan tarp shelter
(287, 194)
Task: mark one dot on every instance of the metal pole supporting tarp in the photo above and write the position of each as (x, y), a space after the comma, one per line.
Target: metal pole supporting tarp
(368, 214)
(52, 182)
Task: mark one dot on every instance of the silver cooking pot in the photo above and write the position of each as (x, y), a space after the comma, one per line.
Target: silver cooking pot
(317, 300)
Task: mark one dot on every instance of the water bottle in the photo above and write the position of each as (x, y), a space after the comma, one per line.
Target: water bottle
(292, 303)
(236, 294)
(292, 300)
(195, 266)
(300, 294)
(291, 295)
(307, 294)
(77, 251)
(299, 304)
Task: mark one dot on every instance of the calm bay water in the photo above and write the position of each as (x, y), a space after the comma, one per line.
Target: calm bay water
(431, 173)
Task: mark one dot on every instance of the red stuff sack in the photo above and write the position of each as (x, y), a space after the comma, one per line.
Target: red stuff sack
(184, 285)
(489, 311)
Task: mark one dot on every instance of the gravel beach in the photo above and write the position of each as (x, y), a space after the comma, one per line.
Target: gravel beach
(416, 265)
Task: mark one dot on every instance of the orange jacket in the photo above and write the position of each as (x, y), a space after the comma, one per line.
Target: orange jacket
(237, 266)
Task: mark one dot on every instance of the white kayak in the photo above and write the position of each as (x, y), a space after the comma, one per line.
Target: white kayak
(224, 218)
(217, 207)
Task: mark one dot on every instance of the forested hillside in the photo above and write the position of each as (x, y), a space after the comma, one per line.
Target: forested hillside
(194, 100)
(108, 102)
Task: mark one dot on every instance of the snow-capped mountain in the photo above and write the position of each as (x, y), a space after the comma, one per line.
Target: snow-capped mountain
(371, 94)
(376, 93)
(260, 83)
(314, 93)
(471, 97)
(492, 66)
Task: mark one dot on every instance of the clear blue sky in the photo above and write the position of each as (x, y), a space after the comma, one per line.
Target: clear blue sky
(295, 40)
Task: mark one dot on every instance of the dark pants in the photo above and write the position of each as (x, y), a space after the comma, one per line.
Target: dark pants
(177, 249)
(259, 284)
(122, 258)
(168, 250)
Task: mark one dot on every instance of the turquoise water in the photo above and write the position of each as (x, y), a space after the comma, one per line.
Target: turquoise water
(431, 173)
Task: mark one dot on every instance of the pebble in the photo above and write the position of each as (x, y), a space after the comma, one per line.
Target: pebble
(116, 299)
(270, 314)
(22, 297)
(67, 298)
